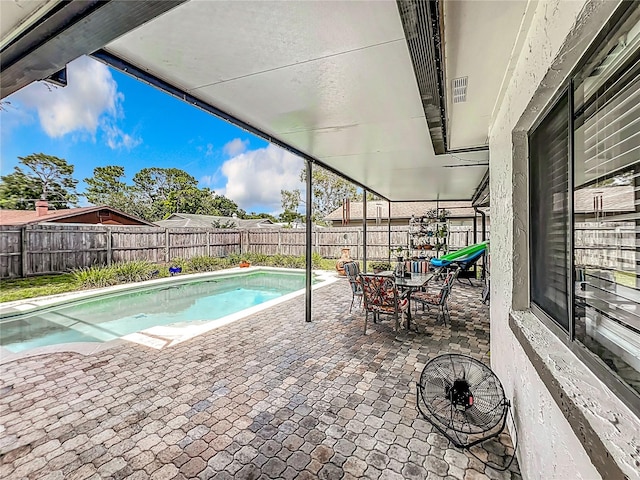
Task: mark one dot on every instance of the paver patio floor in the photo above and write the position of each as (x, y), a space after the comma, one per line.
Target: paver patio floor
(269, 396)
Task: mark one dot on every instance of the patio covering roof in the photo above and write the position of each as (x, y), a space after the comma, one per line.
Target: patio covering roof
(336, 82)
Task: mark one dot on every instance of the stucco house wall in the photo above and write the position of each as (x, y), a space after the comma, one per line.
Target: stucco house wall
(526, 355)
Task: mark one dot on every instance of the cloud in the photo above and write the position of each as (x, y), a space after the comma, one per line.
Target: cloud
(89, 102)
(210, 151)
(255, 177)
(207, 180)
(117, 139)
(235, 147)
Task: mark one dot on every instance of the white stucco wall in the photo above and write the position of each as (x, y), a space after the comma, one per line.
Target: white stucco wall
(548, 448)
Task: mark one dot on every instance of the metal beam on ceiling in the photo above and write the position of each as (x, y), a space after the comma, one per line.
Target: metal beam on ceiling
(69, 31)
(423, 27)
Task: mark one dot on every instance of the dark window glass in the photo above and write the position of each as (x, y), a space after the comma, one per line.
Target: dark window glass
(549, 213)
(607, 205)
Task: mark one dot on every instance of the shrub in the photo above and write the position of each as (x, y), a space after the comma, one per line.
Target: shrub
(136, 271)
(105, 276)
(206, 264)
(380, 266)
(94, 277)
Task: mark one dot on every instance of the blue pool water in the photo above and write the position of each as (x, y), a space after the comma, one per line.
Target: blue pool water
(108, 318)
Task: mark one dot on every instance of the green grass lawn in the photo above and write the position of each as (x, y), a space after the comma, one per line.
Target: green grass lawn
(21, 288)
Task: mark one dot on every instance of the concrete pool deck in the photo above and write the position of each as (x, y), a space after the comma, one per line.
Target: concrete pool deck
(266, 397)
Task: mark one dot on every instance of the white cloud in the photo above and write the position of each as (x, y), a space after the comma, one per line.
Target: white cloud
(235, 147)
(210, 151)
(117, 139)
(89, 102)
(255, 177)
(207, 180)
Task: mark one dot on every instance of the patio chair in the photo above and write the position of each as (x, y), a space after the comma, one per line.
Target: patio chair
(439, 299)
(352, 270)
(381, 296)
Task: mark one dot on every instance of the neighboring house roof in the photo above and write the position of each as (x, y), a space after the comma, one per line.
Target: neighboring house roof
(605, 199)
(399, 210)
(178, 220)
(26, 217)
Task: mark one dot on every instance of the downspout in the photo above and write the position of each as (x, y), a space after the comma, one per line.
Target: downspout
(309, 224)
(475, 225)
(364, 230)
(389, 232)
(484, 223)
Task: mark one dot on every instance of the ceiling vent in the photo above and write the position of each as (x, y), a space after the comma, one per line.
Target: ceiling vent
(460, 89)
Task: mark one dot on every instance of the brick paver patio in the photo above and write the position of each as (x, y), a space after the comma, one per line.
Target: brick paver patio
(269, 396)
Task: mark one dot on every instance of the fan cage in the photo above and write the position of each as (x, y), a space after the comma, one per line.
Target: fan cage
(463, 399)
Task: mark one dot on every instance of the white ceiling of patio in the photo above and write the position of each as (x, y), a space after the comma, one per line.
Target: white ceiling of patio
(335, 80)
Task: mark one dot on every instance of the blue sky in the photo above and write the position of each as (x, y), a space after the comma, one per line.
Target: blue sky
(104, 117)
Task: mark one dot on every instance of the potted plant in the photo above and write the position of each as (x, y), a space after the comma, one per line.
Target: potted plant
(244, 263)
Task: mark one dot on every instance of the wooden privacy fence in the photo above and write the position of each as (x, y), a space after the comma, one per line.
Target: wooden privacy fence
(44, 249)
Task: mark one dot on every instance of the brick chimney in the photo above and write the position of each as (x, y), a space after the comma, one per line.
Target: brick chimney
(42, 208)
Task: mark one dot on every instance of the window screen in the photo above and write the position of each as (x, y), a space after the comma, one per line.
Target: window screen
(549, 213)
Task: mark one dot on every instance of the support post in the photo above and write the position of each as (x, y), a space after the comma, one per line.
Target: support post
(24, 251)
(364, 230)
(307, 303)
(166, 245)
(109, 247)
(389, 233)
(279, 251)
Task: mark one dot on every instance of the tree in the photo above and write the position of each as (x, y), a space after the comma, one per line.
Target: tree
(107, 188)
(166, 190)
(48, 178)
(268, 216)
(213, 204)
(328, 193)
(156, 193)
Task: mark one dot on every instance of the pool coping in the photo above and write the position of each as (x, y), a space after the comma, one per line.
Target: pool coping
(157, 337)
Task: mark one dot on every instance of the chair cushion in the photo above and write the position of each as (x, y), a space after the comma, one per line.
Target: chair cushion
(426, 297)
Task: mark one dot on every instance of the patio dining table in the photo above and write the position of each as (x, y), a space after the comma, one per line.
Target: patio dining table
(410, 284)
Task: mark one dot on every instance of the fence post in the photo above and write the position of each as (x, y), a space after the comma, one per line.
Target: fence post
(166, 245)
(279, 252)
(24, 250)
(208, 243)
(316, 241)
(109, 246)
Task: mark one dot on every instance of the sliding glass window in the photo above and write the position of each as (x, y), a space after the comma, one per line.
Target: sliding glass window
(584, 171)
(607, 204)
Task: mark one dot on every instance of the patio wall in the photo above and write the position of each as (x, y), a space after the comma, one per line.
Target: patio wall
(560, 431)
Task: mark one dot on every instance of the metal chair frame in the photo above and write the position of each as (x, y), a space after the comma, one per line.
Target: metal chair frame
(381, 296)
(352, 270)
(443, 301)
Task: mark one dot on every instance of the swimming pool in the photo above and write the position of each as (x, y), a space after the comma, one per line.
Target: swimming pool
(176, 305)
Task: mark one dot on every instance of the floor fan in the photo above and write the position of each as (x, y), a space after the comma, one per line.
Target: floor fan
(464, 400)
